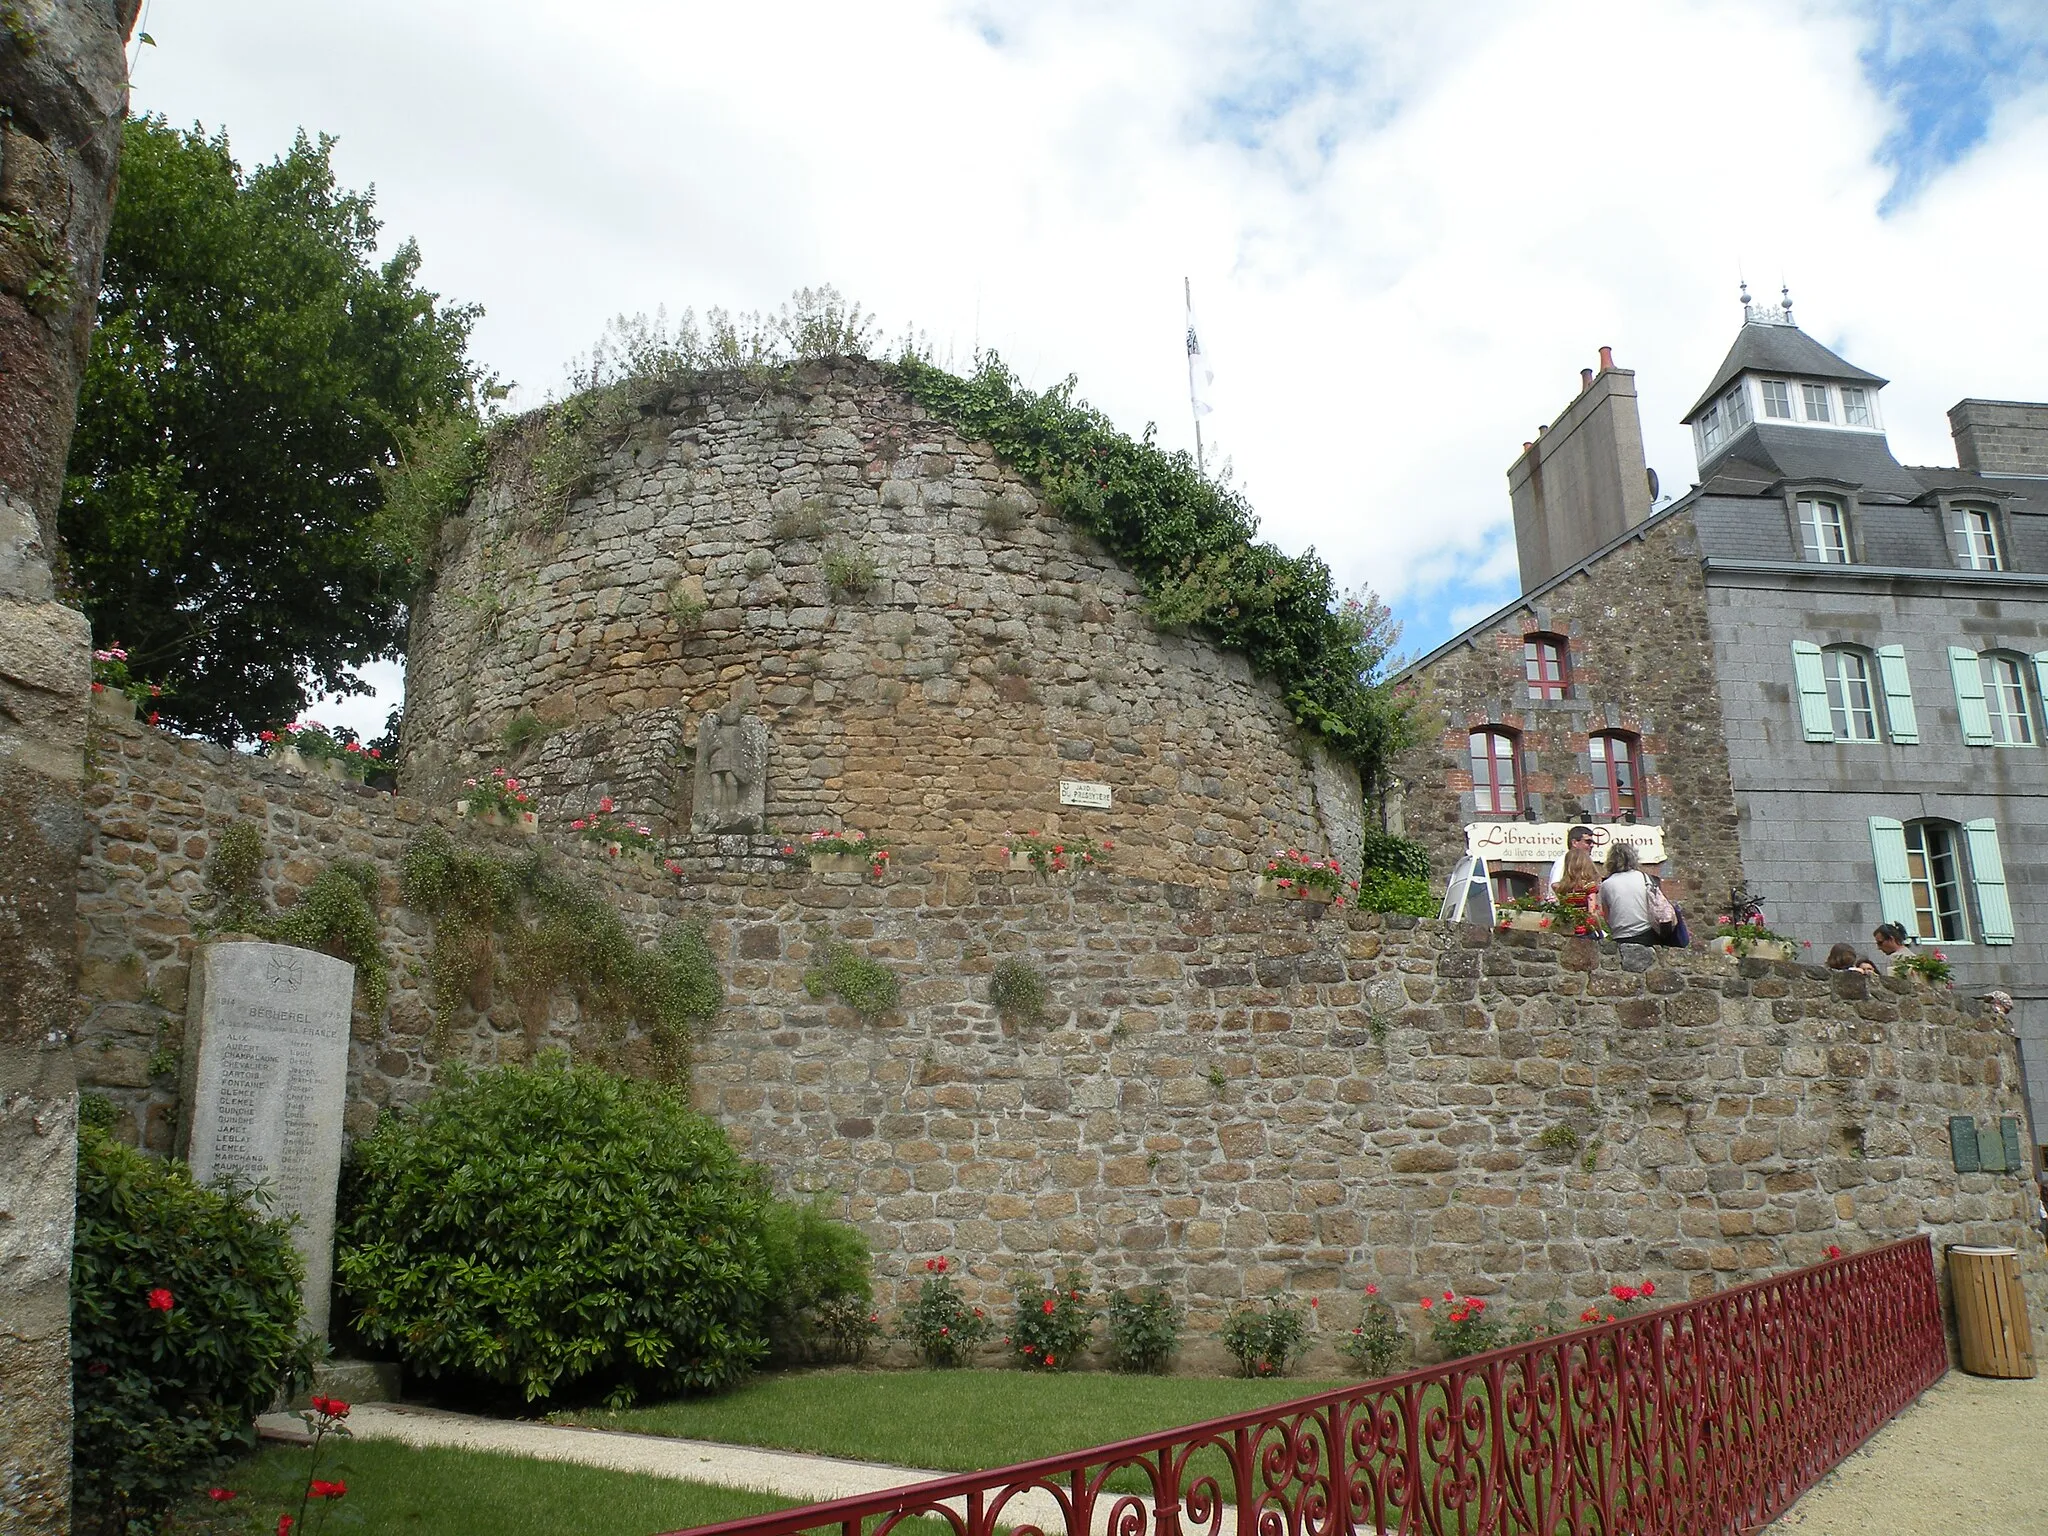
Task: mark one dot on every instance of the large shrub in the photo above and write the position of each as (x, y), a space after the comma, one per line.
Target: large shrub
(184, 1326)
(820, 1290)
(558, 1229)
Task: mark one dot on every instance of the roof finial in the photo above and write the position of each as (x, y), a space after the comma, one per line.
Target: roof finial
(1785, 293)
(1745, 299)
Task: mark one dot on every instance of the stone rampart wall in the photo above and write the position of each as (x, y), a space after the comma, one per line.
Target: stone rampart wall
(997, 653)
(1225, 1098)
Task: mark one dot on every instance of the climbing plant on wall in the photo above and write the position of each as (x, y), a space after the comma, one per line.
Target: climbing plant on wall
(554, 931)
(1192, 542)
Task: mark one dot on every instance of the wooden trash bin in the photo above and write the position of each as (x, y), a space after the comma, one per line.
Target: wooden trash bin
(1991, 1311)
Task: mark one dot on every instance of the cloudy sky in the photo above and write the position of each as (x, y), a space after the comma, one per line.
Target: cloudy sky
(1408, 227)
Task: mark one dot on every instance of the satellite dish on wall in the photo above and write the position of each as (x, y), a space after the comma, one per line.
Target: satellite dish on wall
(1653, 485)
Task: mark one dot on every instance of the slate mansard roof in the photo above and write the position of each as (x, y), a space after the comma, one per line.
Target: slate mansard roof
(1764, 346)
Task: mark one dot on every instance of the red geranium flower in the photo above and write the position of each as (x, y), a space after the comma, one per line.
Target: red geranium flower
(284, 1525)
(1426, 1303)
(326, 1490)
(1834, 1252)
(1048, 1360)
(1047, 1308)
(160, 1300)
(1371, 1289)
(220, 1495)
(1648, 1288)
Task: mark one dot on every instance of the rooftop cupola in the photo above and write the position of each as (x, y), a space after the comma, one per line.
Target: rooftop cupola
(1776, 377)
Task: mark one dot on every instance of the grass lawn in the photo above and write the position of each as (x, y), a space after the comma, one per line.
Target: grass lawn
(394, 1489)
(948, 1421)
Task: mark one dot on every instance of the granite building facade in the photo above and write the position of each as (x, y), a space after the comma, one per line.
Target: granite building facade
(1819, 671)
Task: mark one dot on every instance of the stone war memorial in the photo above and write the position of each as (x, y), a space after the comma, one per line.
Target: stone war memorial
(815, 611)
(266, 1050)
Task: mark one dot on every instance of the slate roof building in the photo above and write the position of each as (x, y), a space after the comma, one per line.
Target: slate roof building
(1818, 671)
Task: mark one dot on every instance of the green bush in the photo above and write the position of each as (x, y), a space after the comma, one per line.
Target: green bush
(184, 1326)
(869, 989)
(940, 1325)
(1017, 990)
(1144, 1330)
(818, 1282)
(1395, 855)
(559, 1230)
(1053, 1325)
(1376, 1345)
(1380, 891)
(1266, 1341)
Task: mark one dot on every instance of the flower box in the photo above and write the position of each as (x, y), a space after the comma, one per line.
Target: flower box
(1760, 949)
(1526, 922)
(1020, 863)
(527, 822)
(113, 704)
(838, 864)
(1270, 889)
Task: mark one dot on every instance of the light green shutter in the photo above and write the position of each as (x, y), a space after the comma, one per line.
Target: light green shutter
(1894, 881)
(2009, 1134)
(1969, 680)
(1898, 692)
(1994, 911)
(2041, 675)
(1813, 692)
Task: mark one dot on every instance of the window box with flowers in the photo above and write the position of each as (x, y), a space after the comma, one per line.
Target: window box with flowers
(611, 832)
(843, 853)
(1751, 941)
(1526, 914)
(1054, 856)
(118, 692)
(498, 801)
(310, 747)
(1289, 877)
(1930, 965)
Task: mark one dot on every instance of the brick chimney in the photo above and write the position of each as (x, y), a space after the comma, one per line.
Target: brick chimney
(2000, 437)
(1583, 482)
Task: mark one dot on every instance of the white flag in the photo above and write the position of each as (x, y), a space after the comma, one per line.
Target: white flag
(1200, 375)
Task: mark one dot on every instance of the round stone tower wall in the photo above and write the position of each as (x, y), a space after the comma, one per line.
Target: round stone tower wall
(995, 653)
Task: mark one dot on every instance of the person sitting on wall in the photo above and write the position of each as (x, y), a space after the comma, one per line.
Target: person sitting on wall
(1625, 898)
(1843, 957)
(1892, 939)
(1578, 890)
(1578, 837)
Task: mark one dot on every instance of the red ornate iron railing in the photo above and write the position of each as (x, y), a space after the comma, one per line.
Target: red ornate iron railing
(1705, 1418)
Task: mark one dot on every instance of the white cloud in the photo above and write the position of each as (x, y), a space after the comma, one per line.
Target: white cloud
(1408, 227)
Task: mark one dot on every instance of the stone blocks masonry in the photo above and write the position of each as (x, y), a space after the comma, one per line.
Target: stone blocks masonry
(1226, 1097)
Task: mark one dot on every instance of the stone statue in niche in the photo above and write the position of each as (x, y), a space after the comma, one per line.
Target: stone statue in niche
(732, 771)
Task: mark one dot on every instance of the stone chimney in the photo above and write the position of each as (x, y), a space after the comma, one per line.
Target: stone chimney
(2000, 437)
(1583, 482)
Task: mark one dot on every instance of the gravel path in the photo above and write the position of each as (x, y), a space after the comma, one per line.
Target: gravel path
(1971, 1455)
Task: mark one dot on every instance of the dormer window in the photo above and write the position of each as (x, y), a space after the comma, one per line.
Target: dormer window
(1710, 428)
(1777, 399)
(1823, 531)
(1856, 407)
(1816, 402)
(1973, 536)
(1545, 661)
(1735, 404)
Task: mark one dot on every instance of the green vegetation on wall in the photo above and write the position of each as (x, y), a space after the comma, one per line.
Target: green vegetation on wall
(1191, 542)
(337, 914)
(554, 931)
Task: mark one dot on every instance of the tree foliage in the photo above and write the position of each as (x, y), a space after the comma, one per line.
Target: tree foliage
(254, 369)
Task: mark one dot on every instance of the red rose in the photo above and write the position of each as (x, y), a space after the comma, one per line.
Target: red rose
(1048, 1360)
(160, 1300)
(1047, 1308)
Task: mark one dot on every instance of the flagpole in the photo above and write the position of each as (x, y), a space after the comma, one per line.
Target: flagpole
(1188, 294)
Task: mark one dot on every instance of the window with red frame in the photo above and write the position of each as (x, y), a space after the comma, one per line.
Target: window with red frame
(1546, 661)
(1494, 783)
(1508, 885)
(1614, 773)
